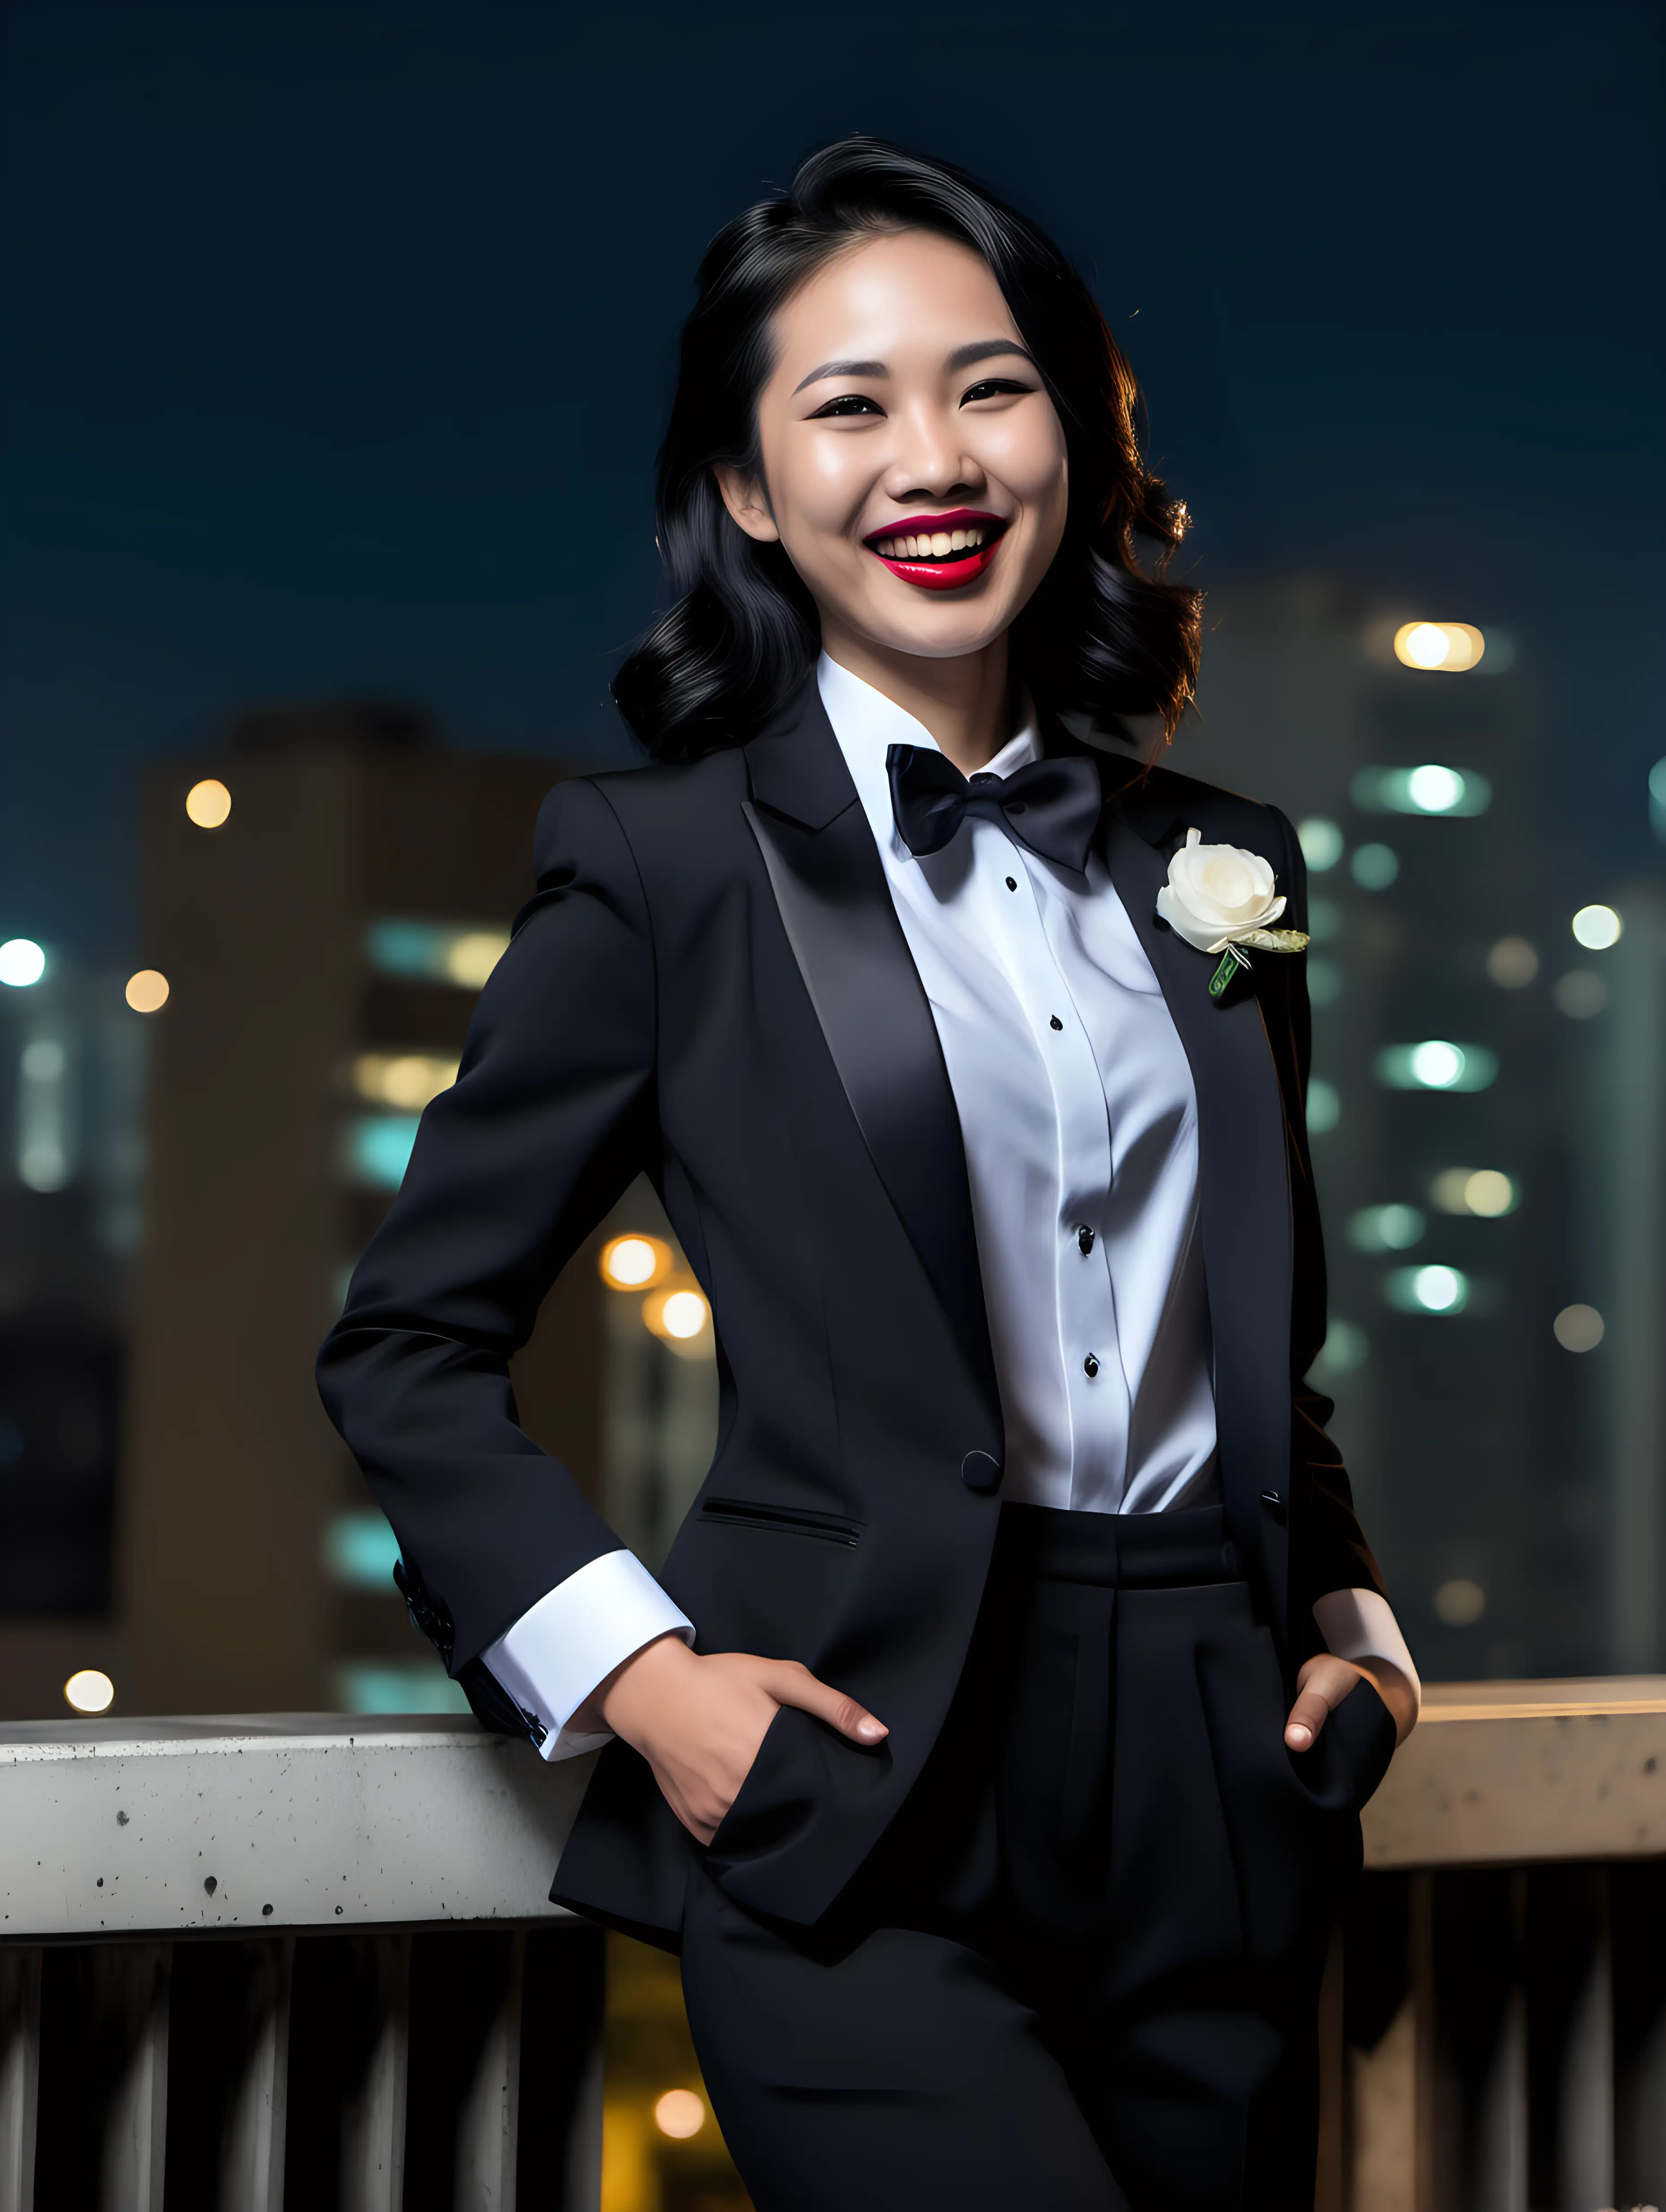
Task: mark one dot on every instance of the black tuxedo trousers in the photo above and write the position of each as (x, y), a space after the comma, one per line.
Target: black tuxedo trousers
(1081, 1971)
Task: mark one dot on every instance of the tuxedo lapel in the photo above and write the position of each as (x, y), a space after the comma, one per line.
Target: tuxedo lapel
(836, 906)
(1242, 1173)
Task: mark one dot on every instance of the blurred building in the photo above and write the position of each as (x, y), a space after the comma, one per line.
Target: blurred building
(1454, 1013)
(324, 896)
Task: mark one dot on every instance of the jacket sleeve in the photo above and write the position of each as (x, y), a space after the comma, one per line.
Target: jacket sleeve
(1329, 1548)
(551, 1116)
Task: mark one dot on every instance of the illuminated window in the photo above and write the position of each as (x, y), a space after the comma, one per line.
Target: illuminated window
(461, 954)
(375, 1150)
(1430, 789)
(359, 1550)
(406, 1080)
(1436, 1065)
(208, 804)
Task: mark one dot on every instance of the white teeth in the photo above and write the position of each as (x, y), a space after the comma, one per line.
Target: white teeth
(956, 541)
(974, 537)
(915, 548)
(940, 542)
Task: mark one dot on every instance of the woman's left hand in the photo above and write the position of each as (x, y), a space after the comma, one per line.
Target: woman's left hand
(1325, 1680)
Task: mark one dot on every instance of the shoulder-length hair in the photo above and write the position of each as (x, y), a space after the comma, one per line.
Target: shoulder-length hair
(1102, 635)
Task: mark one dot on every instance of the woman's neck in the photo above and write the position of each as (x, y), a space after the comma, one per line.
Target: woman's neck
(965, 703)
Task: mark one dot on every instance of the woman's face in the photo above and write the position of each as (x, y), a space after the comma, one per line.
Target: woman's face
(914, 467)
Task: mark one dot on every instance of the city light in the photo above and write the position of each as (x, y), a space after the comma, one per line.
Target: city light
(1449, 646)
(1657, 797)
(1432, 1290)
(1324, 1107)
(359, 1550)
(684, 1314)
(146, 992)
(1436, 1064)
(1486, 1191)
(1513, 963)
(1597, 927)
(1460, 1603)
(679, 2113)
(1386, 1227)
(680, 1319)
(1320, 842)
(1578, 1328)
(407, 1080)
(474, 954)
(1375, 866)
(209, 803)
(459, 953)
(1579, 994)
(90, 1691)
(632, 1263)
(1347, 1349)
(1430, 789)
(375, 1150)
(22, 962)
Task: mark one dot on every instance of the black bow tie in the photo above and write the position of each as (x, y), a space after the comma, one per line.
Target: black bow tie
(1050, 805)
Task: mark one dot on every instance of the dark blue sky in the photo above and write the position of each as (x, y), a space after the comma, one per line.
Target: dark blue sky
(337, 339)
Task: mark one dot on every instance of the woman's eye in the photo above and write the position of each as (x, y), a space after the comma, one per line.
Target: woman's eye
(994, 387)
(848, 403)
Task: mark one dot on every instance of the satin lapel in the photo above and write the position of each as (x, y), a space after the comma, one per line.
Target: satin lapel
(836, 906)
(1245, 1195)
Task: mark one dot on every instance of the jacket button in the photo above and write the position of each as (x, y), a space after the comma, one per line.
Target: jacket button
(981, 1472)
(1274, 1505)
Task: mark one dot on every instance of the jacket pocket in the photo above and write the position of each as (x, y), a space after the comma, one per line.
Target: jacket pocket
(784, 1520)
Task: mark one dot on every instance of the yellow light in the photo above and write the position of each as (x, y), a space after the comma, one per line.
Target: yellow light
(684, 1314)
(208, 803)
(146, 992)
(1578, 1328)
(406, 1080)
(679, 2113)
(632, 1263)
(1460, 1603)
(472, 958)
(1597, 927)
(1489, 1193)
(90, 1691)
(1451, 647)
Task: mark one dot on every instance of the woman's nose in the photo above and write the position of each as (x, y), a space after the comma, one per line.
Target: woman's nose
(929, 462)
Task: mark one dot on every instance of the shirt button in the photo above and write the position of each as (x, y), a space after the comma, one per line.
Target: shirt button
(1012, 882)
(1090, 1365)
(1054, 1022)
(1085, 1238)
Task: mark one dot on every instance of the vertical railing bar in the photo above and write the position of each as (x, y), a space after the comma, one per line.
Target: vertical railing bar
(252, 2166)
(20, 2073)
(374, 2125)
(1586, 2130)
(489, 2122)
(1501, 2124)
(584, 2143)
(132, 1980)
(1425, 2028)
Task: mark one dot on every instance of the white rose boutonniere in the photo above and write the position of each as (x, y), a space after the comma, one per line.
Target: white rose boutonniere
(1221, 900)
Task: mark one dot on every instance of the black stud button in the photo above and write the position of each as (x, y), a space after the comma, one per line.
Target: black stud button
(981, 1471)
(1085, 1238)
(1054, 1022)
(1090, 1365)
(1012, 882)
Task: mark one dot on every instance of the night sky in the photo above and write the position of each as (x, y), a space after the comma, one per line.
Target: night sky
(338, 340)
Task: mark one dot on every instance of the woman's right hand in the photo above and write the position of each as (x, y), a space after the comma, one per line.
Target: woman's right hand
(699, 1718)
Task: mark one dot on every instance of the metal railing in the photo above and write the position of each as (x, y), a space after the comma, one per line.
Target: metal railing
(312, 1961)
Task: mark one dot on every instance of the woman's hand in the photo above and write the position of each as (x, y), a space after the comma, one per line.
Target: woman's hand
(1325, 1680)
(698, 1721)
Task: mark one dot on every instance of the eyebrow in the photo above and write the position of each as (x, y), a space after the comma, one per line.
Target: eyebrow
(963, 358)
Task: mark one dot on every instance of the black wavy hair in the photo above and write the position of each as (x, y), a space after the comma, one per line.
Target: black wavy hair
(1103, 634)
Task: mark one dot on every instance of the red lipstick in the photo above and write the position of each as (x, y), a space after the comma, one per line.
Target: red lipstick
(907, 547)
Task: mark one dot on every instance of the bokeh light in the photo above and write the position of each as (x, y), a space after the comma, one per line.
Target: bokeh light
(1321, 841)
(1448, 645)
(684, 1314)
(1580, 995)
(1375, 866)
(407, 1080)
(1513, 963)
(632, 1263)
(1489, 1193)
(90, 1691)
(1578, 1328)
(470, 959)
(1597, 927)
(146, 992)
(23, 963)
(209, 803)
(679, 2113)
(1460, 1603)
(1434, 790)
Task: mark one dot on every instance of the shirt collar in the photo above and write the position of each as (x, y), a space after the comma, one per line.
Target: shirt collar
(867, 724)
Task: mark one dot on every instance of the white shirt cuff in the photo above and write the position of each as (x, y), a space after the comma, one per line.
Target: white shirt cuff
(574, 1638)
(1358, 1624)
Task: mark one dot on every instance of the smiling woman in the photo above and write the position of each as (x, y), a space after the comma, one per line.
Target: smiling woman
(883, 363)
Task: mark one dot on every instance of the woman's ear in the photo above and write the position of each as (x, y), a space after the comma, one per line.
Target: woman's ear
(747, 501)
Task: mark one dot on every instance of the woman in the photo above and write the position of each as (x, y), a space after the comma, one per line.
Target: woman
(992, 1743)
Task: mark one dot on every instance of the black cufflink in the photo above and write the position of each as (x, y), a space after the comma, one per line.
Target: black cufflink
(981, 1471)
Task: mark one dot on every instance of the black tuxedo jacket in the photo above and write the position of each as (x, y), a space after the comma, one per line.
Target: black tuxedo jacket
(711, 986)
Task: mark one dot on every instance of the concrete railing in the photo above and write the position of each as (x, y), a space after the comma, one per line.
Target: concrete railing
(310, 1960)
